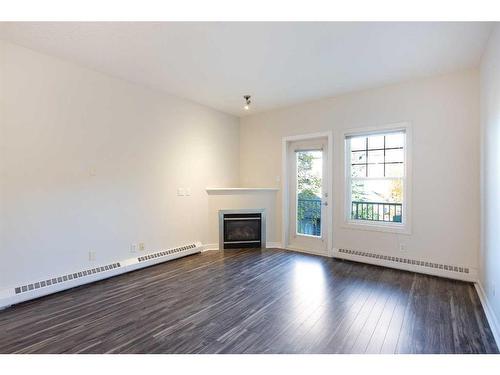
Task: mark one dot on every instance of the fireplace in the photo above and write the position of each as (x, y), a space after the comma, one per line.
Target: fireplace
(242, 228)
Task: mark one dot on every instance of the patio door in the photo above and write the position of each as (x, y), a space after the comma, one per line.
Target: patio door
(308, 195)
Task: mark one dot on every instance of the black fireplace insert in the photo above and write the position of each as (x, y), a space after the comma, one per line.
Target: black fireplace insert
(242, 230)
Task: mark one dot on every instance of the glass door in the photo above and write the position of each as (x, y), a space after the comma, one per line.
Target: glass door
(308, 195)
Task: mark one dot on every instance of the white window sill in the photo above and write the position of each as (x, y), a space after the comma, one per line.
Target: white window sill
(377, 227)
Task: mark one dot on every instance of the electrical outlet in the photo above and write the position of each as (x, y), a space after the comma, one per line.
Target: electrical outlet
(402, 247)
(133, 248)
(141, 246)
(91, 256)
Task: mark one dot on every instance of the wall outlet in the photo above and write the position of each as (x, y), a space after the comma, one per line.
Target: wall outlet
(141, 246)
(91, 256)
(402, 247)
(133, 248)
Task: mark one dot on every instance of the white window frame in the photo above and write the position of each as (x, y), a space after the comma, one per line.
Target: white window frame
(405, 226)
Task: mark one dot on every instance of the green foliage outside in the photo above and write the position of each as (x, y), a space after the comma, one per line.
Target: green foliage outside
(308, 187)
(367, 212)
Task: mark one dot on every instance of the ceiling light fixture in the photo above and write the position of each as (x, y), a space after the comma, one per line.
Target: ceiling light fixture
(247, 101)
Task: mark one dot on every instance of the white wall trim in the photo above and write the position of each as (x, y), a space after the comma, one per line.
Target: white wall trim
(215, 246)
(308, 251)
(490, 315)
(274, 245)
(210, 247)
(9, 297)
(470, 277)
(285, 191)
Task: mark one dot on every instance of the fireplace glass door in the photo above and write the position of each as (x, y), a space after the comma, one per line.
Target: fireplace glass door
(242, 230)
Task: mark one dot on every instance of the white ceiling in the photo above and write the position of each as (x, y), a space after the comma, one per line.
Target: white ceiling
(279, 64)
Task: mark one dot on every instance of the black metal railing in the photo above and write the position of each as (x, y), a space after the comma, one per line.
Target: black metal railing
(309, 216)
(377, 211)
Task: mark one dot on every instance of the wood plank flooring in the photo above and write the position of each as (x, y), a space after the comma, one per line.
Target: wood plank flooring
(254, 301)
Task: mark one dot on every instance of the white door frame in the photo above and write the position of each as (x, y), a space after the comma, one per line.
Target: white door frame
(285, 211)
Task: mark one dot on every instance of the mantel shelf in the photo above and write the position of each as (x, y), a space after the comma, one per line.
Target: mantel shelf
(240, 189)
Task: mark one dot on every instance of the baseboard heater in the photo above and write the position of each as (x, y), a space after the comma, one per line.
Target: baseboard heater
(39, 288)
(414, 265)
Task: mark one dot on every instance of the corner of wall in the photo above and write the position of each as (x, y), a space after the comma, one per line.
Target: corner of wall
(489, 251)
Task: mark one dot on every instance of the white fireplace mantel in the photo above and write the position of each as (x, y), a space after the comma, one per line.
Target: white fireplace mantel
(263, 199)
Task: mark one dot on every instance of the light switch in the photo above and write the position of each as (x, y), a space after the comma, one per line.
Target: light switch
(181, 192)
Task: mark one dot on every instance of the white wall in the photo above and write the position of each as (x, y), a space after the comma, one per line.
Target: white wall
(90, 162)
(444, 113)
(490, 174)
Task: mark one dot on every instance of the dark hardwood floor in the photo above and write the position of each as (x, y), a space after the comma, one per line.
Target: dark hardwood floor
(254, 301)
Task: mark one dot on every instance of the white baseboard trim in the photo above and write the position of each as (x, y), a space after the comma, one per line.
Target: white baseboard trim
(9, 296)
(470, 277)
(215, 246)
(273, 245)
(307, 251)
(210, 247)
(488, 311)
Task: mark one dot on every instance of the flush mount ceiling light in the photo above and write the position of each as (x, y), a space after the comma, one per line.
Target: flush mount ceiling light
(247, 101)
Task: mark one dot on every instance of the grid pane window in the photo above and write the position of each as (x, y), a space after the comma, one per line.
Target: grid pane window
(358, 157)
(376, 156)
(358, 144)
(376, 170)
(376, 142)
(394, 170)
(376, 177)
(358, 170)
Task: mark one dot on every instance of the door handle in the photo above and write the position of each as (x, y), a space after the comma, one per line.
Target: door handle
(325, 203)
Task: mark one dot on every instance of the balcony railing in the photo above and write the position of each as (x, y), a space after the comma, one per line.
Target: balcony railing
(377, 211)
(309, 216)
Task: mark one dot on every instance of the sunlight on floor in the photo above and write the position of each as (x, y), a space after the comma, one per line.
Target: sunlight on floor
(309, 288)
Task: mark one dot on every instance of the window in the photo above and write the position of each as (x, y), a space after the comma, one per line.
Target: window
(376, 178)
